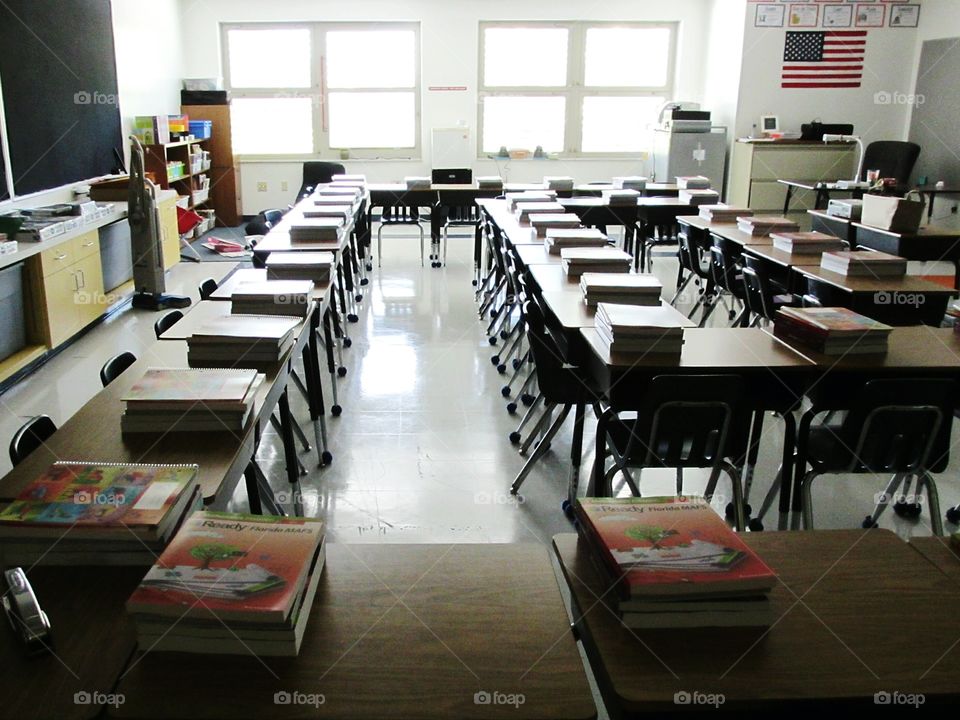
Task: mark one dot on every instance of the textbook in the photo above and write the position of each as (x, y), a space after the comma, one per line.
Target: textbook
(526, 209)
(576, 261)
(723, 213)
(560, 183)
(864, 263)
(698, 197)
(630, 182)
(693, 182)
(542, 222)
(806, 243)
(518, 198)
(760, 225)
(352, 194)
(417, 183)
(245, 341)
(313, 266)
(831, 331)
(343, 212)
(559, 238)
(636, 329)
(489, 182)
(620, 197)
(623, 288)
(316, 228)
(273, 297)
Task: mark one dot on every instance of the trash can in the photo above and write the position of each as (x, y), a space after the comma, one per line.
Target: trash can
(13, 328)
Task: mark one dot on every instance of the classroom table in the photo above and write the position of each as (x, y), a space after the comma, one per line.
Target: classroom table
(396, 631)
(597, 212)
(940, 554)
(822, 189)
(931, 192)
(833, 225)
(699, 231)
(658, 212)
(929, 243)
(536, 255)
(652, 189)
(552, 277)
(843, 634)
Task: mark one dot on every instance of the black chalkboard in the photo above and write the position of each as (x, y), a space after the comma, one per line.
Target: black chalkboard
(59, 76)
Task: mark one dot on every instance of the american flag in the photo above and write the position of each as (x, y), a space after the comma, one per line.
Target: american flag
(827, 59)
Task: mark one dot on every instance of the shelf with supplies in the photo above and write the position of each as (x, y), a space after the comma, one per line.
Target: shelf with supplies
(190, 163)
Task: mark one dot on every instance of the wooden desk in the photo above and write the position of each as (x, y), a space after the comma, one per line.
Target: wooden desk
(700, 230)
(93, 641)
(929, 243)
(938, 552)
(597, 212)
(832, 225)
(779, 265)
(396, 631)
(840, 637)
(822, 189)
(932, 191)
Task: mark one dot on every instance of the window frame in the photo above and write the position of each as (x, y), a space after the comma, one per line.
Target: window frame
(318, 92)
(575, 90)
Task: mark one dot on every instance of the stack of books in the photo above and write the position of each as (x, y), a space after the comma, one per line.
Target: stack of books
(636, 329)
(526, 209)
(831, 331)
(864, 263)
(417, 183)
(560, 183)
(630, 182)
(350, 194)
(342, 212)
(620, 288)
(723, 213)
(806, 243)
(314, 266)
(359, 178)
(577, 261)
(517, 198)
(315, 229)
(559, 238)
(542, 222)
(242, 341)
(693, 182)
(349, 183)
(760, 225)
(490, 182)
(273, 297)
(98, 514)
(675, 564)
(621, 197)
(334, 200)
(698, 197)
(231, 584)
(190, 400)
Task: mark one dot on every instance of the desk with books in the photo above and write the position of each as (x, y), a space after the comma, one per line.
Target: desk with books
(833, 225)
(929, 243)
(650, 189)
(840, 637)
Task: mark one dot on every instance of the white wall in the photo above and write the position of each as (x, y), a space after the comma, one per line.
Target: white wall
(723, 59)
(449, 43)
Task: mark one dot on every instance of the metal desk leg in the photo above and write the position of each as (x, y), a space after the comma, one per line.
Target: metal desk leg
(289, 449)
(315, 400)
(787, 198)
(253, 489)
(328, 341)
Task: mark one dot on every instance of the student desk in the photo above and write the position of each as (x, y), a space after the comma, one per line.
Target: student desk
(822, 189)
(841, 636)
(224, 291)
(552, 277)
(700, 230)
(937, 550)
(396, 631)
(780, 264)
(652, 189)
(658, 212)
(537, 255)
(93, 641)
(596, 212)
(929, 243)
(832, 225)
(932, 191)
(906, 300)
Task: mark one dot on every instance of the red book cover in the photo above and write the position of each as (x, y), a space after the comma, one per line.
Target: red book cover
(833, 321)
(247, 568)
(672, 547)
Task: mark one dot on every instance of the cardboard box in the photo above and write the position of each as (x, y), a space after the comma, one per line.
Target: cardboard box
(892, 213)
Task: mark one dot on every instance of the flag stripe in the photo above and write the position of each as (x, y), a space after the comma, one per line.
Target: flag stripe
(836, 76)
(821, 85)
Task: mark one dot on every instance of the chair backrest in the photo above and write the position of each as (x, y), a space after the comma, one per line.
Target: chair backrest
(256, 227)
(553, 376)
(724, 269)
(900, 425)
(114, 367)
(756, 285)
(271, 217)
(451, 176)
(317, 172)
(207, 288)
(30, 436)
(400, 215)
(893, 158)
(690, 252)
(166, 322)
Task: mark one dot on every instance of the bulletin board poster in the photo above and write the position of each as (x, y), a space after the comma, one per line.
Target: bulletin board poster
(838, 16)
(906, 16)
(804, 16)
(770, 15)
(870, 15)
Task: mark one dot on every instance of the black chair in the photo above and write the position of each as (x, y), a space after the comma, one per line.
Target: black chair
(893, 158)
(316, 173)
(207, 288)
(29, 437)
(166, 322)
(683, 421)
(394, 215)
(256, 227)
(114, 367)
(892, 426)
(759, 292)
(727, 278)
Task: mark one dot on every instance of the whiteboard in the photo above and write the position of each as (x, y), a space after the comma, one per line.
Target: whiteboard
(451, 148)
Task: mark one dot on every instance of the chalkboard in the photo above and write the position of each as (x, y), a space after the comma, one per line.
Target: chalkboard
(935, 125)
(59, 75)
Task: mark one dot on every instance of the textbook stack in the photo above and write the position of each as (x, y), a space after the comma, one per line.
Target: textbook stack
(324, 210)
(257, 576)
(698, 197)
(417, 183)
(630, 182)
(337, 199)
(315, 229)
(831, 331)
(642, 330)
(559, 183)
(190, 400)
(621, 197)
(242, 341)
(351, 194)
(360, 184)
(806, 243)
(675, 564)
(864, 263)
(526, 209)
(723, 213)
(355, 178)
(273, 297)
(760, 225)
(559, 238)
(542, 222)
(620, 288)
(693, 182)
(514, 200)
(98, 514)
(490, 182)
(314, 266)
(577, 261)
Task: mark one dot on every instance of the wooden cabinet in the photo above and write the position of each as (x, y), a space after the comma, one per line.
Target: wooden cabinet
(169, 232)
(224, 174)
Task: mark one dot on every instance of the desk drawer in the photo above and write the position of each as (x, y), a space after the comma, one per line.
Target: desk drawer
(85, 245)
(57, 258)
(826, 163)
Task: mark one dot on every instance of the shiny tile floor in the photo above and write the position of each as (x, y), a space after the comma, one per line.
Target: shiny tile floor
(421, 451)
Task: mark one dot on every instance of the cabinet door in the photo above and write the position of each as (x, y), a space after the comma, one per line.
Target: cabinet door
(169, 235)
(90, 298)
(60, 295)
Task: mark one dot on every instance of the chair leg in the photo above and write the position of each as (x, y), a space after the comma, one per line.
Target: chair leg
(420, 227)
(933, 500)
(887, 498)
(379, 245)
(807, 498)
(540, 450)
(541, 422)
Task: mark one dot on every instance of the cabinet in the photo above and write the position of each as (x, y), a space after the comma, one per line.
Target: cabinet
(224, 174)
(194, 182)
(169, 232)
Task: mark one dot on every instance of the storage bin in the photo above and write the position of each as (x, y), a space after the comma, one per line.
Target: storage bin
(201, 129)
(13, 329)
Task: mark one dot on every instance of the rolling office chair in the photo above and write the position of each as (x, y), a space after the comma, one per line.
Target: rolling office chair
(30, 436)
(893, 158)
(166, 322)
(316, 173)
(114, 367)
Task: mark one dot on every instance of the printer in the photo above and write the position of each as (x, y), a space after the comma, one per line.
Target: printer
(846, 208)
(684, 117)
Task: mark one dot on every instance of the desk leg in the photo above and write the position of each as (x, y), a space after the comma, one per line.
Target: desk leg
(929, 206)
(339, 330)
(787, 198)
(289, 449)
(315, 397)
(477, 253)
(328, 341)
(800, 468)
(576, 456)
(365, 239)
(354, 297)
(956, 274)
(786, 471)
(253, 489)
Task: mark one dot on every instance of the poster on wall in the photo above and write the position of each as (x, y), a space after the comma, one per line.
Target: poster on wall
(838, 16)
(769, 15)
(870, 15)
(907, 16)
(807, 16)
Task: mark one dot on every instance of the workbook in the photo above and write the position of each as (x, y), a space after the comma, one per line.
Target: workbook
(315, 229)
(864, 263)
(723, 213)
(314, 266)
(489, 182)
(760, 225)
(620, 197)
(698, 197)
(343, 212)
(542, 222)
(244, 341)
(528, 196)
(639, 329)
(806, 243)
(630, 182)
(831, 330)
(576, 261)
(559, 238)
(693, 182)
(560, 183)
(526, 209)
(623, 288)
(273, 297)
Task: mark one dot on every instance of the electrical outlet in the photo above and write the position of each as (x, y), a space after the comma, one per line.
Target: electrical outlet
(284, 186)
(261, 187)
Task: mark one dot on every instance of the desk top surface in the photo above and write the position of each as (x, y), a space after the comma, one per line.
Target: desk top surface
(537, 255)
(573, 313)
(938, 551)
(906, 283)
(396, 631)
(783, 258)
(840, 633)
(730, 231)
(925, 231)
(245, 275)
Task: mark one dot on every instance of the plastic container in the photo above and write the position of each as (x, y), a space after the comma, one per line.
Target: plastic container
(13, 328)
(201, 129)
(116, 254)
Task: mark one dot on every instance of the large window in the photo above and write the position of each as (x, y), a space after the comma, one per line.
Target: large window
(577, 88)
(319, 88)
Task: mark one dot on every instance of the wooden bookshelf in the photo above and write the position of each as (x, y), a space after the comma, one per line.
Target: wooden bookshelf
(158, 157)
(224, 173)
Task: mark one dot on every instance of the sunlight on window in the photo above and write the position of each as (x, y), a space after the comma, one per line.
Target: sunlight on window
(272, 125)
(618, 124)
(269, 58)
(372, 120)
(371, 59)
(516, 57)
(627, 57)
(523, 122)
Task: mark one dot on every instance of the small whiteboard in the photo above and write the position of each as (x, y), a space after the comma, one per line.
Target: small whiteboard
(451, 148)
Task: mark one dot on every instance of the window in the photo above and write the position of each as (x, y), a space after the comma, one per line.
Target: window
(576, 88)
(319, 88)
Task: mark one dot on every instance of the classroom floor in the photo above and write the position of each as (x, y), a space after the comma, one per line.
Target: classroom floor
(421, 451)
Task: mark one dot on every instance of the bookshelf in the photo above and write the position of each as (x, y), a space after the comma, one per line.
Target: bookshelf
(224, 173)
(190, 182)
